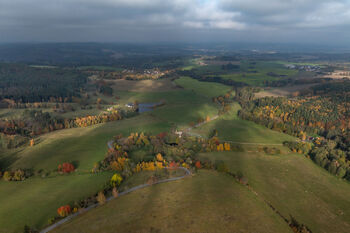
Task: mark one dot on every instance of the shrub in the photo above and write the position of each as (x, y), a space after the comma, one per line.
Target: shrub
(28, 229)
(51, 220)
(7, 176)
(64, 211)
(220, 166)
(19, 175)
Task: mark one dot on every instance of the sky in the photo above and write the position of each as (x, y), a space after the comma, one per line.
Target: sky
(282, 21)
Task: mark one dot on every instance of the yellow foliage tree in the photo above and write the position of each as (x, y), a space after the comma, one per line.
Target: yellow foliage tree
(220, 147)
(159, 157)
(227, 146)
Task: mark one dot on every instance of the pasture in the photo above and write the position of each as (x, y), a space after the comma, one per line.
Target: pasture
(295, 186)
(231, 128)
(255, 73)
(206, 202)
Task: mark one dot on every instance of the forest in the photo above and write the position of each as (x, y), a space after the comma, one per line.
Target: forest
(22, 83)
(320, 119)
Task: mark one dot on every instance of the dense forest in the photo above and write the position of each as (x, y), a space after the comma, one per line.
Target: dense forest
(21, 83)
(321, 119)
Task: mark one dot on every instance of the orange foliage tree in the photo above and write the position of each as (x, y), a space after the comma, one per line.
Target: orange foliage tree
(64, 211)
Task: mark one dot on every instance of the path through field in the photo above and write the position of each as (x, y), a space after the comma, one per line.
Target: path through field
(66, 219)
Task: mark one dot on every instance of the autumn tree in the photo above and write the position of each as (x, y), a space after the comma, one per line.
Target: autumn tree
(7, 176)
(101, 198)
(116, 180)
(31, 142)
(66, 168)
(64, 211)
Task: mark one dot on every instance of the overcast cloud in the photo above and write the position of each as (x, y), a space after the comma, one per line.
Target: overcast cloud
(322, 21)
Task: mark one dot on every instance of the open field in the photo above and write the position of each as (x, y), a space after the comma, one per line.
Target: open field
(339, 74)
(255, 73)
(207, 202)
(231, 128)
(295, 186)
(36, 200)
(82, 145)
(143, 85)
(203, 88)
(85, 146)
(283, 91)
(88, 145)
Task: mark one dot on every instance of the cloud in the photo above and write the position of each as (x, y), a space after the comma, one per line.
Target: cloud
(74, 20)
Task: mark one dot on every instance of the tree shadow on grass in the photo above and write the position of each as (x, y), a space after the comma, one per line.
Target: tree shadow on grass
(8, 160)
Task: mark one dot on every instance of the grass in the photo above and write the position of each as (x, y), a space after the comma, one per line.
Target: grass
(142, 177)
(207, 202)
(250, 72)
(181, 108)
(203, 88)
(295, 186)
(230, 127)
(82, 145)
(36, 200)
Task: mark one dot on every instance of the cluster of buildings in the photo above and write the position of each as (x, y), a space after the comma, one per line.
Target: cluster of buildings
(311, 68)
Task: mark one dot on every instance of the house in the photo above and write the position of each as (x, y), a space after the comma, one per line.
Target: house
(179, 133)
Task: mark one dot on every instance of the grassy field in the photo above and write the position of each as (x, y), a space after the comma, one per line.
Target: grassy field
(85, 146)
(181, 107)
(230, 127)
(203, 88)
(250, 72)
(36, 200)
(295, 186)
(207, 202)
(161, 85)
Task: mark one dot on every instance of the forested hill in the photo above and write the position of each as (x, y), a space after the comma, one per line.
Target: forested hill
(29, 84)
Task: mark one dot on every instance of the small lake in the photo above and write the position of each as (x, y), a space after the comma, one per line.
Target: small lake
(146, 107)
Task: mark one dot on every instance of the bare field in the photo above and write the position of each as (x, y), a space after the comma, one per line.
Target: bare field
(283, 91)
(144, 85)
(339, 74)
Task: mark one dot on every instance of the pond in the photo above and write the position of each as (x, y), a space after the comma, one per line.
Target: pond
(146, 107)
